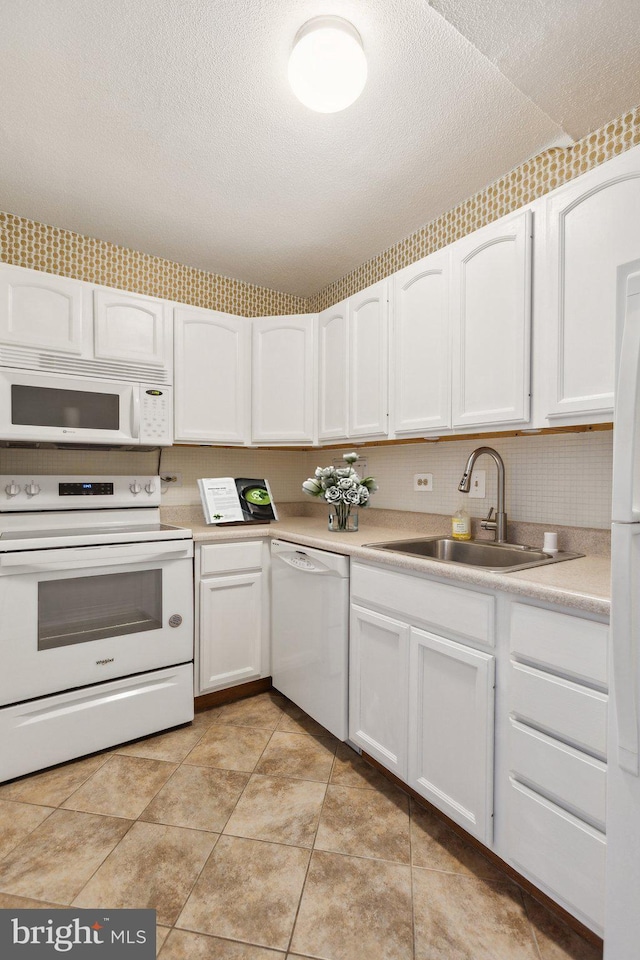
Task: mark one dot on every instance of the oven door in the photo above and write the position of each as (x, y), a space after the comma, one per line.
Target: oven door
(59, 409)
(77, 616)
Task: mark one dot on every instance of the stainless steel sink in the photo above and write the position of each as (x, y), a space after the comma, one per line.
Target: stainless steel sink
(495, 557)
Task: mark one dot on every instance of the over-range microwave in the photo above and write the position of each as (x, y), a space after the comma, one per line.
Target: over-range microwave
(58, 408)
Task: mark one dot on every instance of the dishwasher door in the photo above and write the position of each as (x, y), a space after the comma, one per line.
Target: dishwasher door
(310, 631)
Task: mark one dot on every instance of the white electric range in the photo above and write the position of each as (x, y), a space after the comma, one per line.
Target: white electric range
(96, 617)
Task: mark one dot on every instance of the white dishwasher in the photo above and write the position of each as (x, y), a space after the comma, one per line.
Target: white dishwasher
(310, 631)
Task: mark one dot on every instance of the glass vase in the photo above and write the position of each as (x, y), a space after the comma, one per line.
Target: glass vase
(343, 517)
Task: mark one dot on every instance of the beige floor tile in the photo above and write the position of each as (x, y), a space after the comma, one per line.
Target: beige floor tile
(459, 918)
(122, 787)
(436, 846)
(350, 770)
(161, 935)
(278, 809)
(56, 860)
(297, 755)
(52, 787)
(353, 908)
(155, 867)
(203, 719)
(182, 945)
(9, 902)
(365, 823)
(173, 745)
(295, 720)
(202, 798)
(229, 748)
(263, 710)
(557, 941)
(17, 821)
(249, 890)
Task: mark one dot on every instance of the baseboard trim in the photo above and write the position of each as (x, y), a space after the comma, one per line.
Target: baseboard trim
(526, 885)
(230, 694)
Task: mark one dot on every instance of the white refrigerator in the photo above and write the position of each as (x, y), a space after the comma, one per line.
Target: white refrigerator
(622, 913)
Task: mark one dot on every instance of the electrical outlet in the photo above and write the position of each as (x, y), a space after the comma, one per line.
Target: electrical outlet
(478, 484)
(423, 482)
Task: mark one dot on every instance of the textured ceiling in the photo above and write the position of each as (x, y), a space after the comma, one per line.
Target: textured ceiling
(168, 125)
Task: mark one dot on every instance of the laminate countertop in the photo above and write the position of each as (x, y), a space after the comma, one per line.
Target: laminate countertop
(584, 583)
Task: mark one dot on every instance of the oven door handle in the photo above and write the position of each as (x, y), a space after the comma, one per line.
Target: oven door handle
(123, 553)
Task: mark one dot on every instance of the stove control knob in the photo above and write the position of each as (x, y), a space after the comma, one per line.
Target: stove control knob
(12, 489)
(135, 488)
(32, 489)
(150, 487)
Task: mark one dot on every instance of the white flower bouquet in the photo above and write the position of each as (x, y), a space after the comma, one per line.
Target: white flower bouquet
(343, 489)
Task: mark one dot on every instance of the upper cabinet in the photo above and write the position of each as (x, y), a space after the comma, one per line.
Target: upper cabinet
(592, 228)
(419, 347)
(40, 310)
(283, 379)
(130, 327)
(353, 366)
(333, 373)
(491, 324)
(368, 313)
(212, 377)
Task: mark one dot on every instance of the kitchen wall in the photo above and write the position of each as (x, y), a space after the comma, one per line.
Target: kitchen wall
(555, 479)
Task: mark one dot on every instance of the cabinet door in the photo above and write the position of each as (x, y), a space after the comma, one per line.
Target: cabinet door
(333, 373)
(491, 323)
(592, 228)
(231, 630)
(212, 376)
(368, 374)
(131, 327)
(451, 701)
(420, 361)
(283, 379)
(39, 310)
(378, 682)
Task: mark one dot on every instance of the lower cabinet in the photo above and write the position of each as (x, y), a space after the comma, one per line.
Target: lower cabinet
(232, 591)
(421, 703)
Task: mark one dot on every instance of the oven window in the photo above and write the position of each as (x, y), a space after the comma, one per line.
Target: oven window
(92, 608)
(77, 409)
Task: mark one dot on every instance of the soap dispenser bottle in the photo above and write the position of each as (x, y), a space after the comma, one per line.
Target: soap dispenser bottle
(461, 525)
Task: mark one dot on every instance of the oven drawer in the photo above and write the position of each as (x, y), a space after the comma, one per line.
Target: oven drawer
(51, 730)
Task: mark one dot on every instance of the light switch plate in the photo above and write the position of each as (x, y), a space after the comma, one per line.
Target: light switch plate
(478, 484)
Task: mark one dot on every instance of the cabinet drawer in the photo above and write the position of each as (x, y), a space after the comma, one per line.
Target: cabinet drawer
(560, 707)
(465, 613)
(558, 850)
(230, 557)
(558, 641)
(569, 778)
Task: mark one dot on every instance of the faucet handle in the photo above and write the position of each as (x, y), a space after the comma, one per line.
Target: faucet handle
(488, 516)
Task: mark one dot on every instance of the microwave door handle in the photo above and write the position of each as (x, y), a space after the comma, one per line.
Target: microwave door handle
(135, 412)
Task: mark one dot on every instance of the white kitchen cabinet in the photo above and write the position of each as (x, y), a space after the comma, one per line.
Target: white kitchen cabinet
(451, 729)
(591, 229)
(420, 365)
(133, 328)
(333, 373)
(40, 311)
(368, 313)
(378, 687)
(212, 377)
(232, 593)
(283, 382)
(491, 324)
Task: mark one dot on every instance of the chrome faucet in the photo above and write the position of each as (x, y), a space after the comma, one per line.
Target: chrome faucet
(500, 522)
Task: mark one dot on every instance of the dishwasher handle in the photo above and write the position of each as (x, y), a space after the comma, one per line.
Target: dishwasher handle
(301, 562)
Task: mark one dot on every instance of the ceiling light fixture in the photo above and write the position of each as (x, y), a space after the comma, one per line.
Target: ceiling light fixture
(327, 66)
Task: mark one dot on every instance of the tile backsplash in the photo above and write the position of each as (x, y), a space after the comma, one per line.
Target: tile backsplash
(562, 479)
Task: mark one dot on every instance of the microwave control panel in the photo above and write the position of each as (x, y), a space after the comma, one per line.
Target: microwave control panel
(156, 421)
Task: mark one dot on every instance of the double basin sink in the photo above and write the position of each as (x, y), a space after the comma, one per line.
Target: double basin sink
(490, 556)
